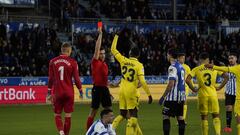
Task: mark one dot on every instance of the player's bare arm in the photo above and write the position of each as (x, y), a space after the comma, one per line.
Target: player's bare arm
(190, 84)
(168, 89)
(98, 44)
(225, 80)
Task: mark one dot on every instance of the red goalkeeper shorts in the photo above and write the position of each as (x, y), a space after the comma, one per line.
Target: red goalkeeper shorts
(65, 103)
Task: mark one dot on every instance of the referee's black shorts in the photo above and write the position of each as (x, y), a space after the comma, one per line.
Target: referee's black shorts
(229, 99)
(101, 95)
(173, 108)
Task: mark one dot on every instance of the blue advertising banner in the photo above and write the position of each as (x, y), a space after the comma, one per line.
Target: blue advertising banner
(18, 26)
(139, 28)
(42, 81)
(23, 81)
(230, 29)
(18, 2)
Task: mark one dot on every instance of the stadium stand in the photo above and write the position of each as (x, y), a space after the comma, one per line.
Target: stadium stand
(26, 52)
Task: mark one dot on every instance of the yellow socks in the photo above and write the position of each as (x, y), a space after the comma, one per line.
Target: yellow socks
(204, 127)
(217, 126)
(238, 129)
(131, 126)
(117, 120)
(184, 112)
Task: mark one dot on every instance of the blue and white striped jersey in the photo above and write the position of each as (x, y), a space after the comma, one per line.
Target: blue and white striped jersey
(98, 128)
(230, 88)
(176, 72)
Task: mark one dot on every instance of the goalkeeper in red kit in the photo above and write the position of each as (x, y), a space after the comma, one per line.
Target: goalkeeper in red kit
(61, 71)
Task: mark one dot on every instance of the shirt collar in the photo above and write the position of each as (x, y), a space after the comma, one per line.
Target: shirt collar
(105, 125)
(63, 55)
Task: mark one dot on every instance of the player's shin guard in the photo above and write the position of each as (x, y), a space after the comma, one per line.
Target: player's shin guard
(139, 131)
(181, 127)
(58, 122)
(89, 122)
(217, 125)
(67, 125)
(116, 121)
(229, 118)
(204, 127)
(184, 112)
(166, 126)
(238, 129)
(131, 126)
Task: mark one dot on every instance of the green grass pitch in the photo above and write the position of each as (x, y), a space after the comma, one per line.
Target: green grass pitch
(39, 120)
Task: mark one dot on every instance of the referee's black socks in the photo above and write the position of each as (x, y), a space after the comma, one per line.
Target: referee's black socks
(166, 126)
(229, 118)
(181, 127)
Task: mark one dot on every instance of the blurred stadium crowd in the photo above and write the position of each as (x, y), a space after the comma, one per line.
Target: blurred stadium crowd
(27, 52)
(209, 10)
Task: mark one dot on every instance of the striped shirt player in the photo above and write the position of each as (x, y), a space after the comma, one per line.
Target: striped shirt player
(177, 73)
(230, 98)
(231, 85)
(235, 70)
(98, 128)
(174, 100)
(174, 95)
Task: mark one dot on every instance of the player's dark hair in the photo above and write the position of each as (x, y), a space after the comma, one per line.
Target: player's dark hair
(181, 52)
(234, 53)
(105, 112)
(134, 52)
(173, 52)
(203, 56)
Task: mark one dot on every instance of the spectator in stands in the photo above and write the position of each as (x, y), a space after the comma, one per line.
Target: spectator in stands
(27, 52)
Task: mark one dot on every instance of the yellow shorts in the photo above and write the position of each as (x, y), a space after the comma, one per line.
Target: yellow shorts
(126, 102)
(237, 107)
(128, 97)
(208, 105)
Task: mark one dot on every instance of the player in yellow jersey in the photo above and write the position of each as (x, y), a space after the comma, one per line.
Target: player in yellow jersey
(132, 72)
(235, 70)
(187, 69)
(207, 92)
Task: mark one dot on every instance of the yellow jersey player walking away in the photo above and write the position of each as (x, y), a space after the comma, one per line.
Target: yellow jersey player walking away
(207, 92)
(187, 72)
(235, 70)
(132, 72)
